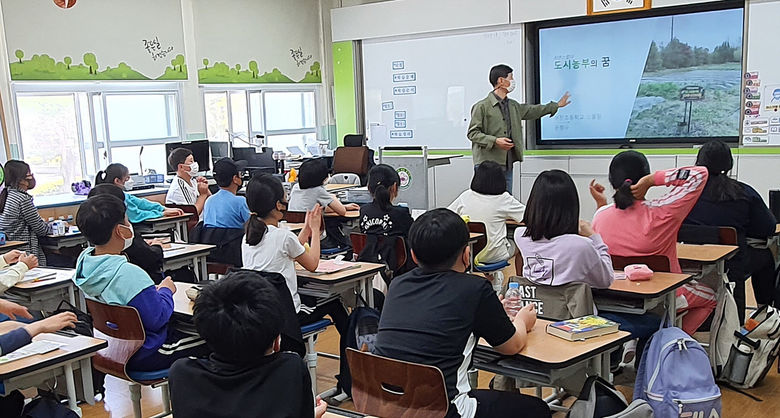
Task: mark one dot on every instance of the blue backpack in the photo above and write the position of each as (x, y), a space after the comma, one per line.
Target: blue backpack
(675, 377)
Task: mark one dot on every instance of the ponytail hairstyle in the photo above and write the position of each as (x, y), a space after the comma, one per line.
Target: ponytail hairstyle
(625, 170)
(15, 172)
(112, 172)
(381, 178)
(263, 192)
(716, 156)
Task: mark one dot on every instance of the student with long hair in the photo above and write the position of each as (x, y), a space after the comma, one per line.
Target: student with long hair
(19, 218)
(728, 202)
(269, 248)
(138, 209)
(381, 216)
(633, 226)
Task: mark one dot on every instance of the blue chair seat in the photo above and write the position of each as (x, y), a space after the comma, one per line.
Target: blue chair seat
(148, 376)
(316, 326)
(488, 268)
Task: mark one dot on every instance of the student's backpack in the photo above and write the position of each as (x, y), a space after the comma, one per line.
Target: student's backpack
(362, 329)
(675, 378)
(754, 353)
(599, 399)
(725, 321)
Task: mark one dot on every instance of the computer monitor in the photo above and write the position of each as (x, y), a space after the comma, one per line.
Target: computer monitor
(296, 151)
(200, 152)
(255, 159)
(219, 150)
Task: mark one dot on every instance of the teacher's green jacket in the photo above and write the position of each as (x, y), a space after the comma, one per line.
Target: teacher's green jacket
(487, 124)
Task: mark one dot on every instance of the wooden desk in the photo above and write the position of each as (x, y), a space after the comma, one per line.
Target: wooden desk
(182, 305)
(191, 255)
(326, 285)
(32, 371)
(11, 245)
(67, 204)
(546, 358)
(39, 295)
(645, 294)
(167, 223)
(339, 187)
(58, 242)
(703, 254)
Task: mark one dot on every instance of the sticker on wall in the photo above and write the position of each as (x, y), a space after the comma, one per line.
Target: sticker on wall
(44, 67)
(220, 72)
(406, 177)
(772, 98)
(65, 4)
(387, 106)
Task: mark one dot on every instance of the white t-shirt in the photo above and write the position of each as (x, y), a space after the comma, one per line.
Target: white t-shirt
(182, 192)
(302, 200)
(493, 211)
(276, 253)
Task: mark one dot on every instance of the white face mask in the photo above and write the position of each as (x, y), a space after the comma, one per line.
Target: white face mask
(129, 241)
(194, 169)
(511, 87)
(129, 184)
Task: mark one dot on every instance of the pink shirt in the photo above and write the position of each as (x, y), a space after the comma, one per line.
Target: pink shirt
(650, 227)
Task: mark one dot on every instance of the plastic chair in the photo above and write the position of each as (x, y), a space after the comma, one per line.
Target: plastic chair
(490, 269)
(359, 242)
(345, 178)
(121, 327)
(310, 333)
(392, 388)
(300, 217)
(191, 209)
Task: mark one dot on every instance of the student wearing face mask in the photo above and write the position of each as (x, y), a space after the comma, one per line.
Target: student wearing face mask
(187, 188)
(495, 130)
(19, 218)
(225, 209)
(104, 274)
(138, 209)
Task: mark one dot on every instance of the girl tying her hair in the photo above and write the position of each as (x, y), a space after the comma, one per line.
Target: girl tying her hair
(138, 209)
(19, 218)
(633, 226)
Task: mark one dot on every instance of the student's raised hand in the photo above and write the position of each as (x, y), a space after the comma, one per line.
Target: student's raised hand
(314, 219)
(564, 100)
(156, 241)
(597, 192)
(203, 186)
(528, 316)
(504, 143)
(30, 260)
(167, 283)
(319, 407)
(12, 310)
(172, 212)
(52, 323)
(585, 229)
(12, 256)
(639, 190)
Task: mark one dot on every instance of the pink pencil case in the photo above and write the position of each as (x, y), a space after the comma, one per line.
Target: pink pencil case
(638, 272)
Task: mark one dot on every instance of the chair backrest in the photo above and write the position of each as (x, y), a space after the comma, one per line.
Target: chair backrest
(707, 234)
(478, 227)
(354, 140)
(557, 303)
(655, 262)
(121, 327)
(345, 178)
(392, 388)
(351, 160)
(294, 217)
(728, 235)
(359, 242)
(191, 209)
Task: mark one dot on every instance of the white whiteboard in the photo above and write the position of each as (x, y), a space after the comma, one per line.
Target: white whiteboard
(420, 91)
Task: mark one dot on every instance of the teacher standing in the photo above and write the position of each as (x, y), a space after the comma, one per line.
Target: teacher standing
(495, 130)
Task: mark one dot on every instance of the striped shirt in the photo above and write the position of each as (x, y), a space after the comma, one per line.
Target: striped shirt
(21, 222)
(182, 192)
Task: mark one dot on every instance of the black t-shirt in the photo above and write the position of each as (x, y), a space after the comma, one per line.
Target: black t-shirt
(394, 222)
(436, 319)
(276, 386)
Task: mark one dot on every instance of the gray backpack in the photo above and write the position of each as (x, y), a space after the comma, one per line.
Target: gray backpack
(599, 399)
(754, 352)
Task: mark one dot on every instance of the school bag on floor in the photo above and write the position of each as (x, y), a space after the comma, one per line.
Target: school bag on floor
(675, 378)
(362, 330)
(754, 353)
(599, 399)
(725, 321)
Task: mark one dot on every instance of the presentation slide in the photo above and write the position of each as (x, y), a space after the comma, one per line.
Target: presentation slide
(650, 78)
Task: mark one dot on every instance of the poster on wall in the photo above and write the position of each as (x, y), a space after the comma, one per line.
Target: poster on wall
(94, 39)
(761, 124)
(284, 36)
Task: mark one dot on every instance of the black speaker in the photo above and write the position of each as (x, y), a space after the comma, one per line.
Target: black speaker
(774, 203)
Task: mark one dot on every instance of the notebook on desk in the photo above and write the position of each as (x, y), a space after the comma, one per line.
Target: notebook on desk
(334, 266)
(36, 347)
(38, 274)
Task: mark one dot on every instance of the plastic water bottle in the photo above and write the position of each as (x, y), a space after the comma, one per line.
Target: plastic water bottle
(513, 301)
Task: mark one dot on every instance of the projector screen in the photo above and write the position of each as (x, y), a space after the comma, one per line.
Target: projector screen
(673, 78)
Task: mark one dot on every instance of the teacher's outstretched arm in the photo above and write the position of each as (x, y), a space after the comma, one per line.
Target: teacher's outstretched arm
(533, 112)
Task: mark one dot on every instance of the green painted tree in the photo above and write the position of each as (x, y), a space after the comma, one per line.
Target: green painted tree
(19, 54)
(206, 62)
(238, 68)
(178, 61)
(315, 69)
(91, 62)
(253, 68)
(68, 61)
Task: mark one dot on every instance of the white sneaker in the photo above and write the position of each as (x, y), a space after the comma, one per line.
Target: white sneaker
(629, 351)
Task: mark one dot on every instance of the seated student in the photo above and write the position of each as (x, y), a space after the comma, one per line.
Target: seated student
(487, 201)
(271, 249)
(239, 317)
(22, 262)
(19, 337)
(728, 202)
(19, 218)
(436, 313)
(147, 255)
(138, 209)
(633, 226)
(224, 209)
(187, 188)
(570, 250)
(104, 274)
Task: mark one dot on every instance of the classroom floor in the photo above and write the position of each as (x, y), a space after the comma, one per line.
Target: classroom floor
(117, 402)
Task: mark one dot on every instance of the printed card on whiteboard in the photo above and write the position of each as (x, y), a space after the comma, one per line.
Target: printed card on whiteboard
(596, 7)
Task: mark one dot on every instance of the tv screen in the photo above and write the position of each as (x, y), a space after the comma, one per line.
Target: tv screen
(674, 78)
(200, 152)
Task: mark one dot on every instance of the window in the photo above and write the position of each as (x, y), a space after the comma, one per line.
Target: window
(69, 131)
(286, 117)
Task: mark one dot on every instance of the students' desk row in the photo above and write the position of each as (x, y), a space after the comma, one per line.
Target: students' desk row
(34, 370)
(706, 254)
(547, 359)
(48, 292)
(11, 245)
(639, 297)
(183, 255)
